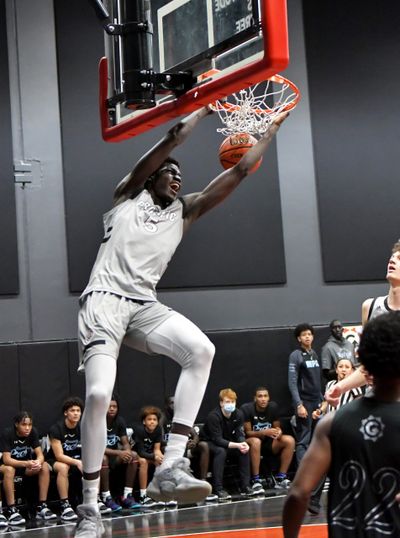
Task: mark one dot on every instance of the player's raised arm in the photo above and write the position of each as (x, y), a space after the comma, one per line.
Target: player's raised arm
(199, 203)
(153, 159)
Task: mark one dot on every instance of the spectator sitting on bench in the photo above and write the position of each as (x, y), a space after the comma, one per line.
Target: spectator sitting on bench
(118, 452)
(64, 455)
(23, 456)
(264, 436)
(223, 431)
(148, 438)
(195, 449)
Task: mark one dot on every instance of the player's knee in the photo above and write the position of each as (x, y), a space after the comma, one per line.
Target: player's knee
(203, 353)
(98, 396)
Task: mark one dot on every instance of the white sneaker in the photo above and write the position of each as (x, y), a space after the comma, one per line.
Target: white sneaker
(177, 483)
(103, 509)
(3, 521)
(89, 523)
(45, 514)
(67, 513)
(15, 518)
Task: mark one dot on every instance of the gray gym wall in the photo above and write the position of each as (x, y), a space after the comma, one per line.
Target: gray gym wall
(45, 310)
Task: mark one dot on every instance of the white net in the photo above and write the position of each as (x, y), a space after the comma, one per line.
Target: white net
(253, 109)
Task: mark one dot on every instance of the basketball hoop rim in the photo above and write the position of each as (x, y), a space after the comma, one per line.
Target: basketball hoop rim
(230, 107)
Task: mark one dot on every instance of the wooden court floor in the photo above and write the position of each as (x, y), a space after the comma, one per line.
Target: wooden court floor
(255, 518)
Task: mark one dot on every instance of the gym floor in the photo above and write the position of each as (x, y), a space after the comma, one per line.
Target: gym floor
(254, 518)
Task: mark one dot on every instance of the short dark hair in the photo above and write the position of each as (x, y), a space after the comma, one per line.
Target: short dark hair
(333, 322)
(301, 328)
(379, 350)
(154, 174)
(21, 416)
(261, 388)
(396, 247)
(150, 410)
(71, 401)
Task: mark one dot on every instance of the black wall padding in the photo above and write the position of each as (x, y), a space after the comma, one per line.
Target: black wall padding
(39, 376)
(10, 401)
(44, 380)
(238, 243)
(9, 279)
(353, 51)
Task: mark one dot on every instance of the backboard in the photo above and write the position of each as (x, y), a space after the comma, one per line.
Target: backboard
(217, 46)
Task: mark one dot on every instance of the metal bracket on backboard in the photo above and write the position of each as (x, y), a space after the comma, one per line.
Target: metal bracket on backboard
(26, 172)
(128, 28)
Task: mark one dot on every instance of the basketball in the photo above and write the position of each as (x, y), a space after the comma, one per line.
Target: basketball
(234, 147)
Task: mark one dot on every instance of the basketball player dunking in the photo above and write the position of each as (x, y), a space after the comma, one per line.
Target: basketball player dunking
(119, 304)
(371, 308)
(358, 446)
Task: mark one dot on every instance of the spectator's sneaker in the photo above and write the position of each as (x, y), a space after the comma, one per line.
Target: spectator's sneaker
(223, 495)
(67, 513)
(89, 522)
(247, 491)
(211, 498)
(129, 502)
(282, 483)
(44, 513)
(147, 502)
(257, 488)
(177, 483)
(314, 507)
(3, 521)
(15, 518)
(171, 504)
(110, 503)
(103, 509)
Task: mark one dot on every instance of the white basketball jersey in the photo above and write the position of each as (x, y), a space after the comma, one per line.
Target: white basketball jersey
(139, 240)
(378, 307)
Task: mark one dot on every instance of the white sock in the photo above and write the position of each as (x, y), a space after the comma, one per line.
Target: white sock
(143, 492)
(127, 491)
(174, 450)
(105, 494)
(90, 490)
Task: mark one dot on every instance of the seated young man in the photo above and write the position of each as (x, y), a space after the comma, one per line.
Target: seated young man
(196, 450)
(148, 439)
(23, 456)
(223, 431)
(65, 451)
(118, 452)
(264, 436)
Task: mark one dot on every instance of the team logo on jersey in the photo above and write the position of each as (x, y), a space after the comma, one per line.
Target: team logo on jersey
(372, 428)
(152, 215)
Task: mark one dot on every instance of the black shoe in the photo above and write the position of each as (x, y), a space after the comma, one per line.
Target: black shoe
(247, 492)
(314, 507)
(223, 495)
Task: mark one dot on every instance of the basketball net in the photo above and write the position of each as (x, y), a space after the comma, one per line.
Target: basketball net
(254, 109)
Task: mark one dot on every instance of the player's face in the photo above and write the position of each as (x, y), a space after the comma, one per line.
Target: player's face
(150, 422)
(73, 414)
(262, 399)
(337, 330)
(343, 368)
(112, 409)
(393, 268)
(306, 339)
(24, 427)
(168, 182)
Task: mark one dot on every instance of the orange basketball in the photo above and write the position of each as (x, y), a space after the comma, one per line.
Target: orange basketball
(234, 147)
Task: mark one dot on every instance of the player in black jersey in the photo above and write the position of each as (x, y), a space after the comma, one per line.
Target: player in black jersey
(118, 452)
(358, 447)
(23, 456)
(264, 436)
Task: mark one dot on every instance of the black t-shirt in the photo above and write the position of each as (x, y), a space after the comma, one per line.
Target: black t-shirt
(260, 420)
(145, 441)
(70, 439)
(365, 470)
(115, 431)
(20, 448)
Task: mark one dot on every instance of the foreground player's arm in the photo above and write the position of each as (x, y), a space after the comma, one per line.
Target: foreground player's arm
(199, 203)
(314, 465)
(154, 158)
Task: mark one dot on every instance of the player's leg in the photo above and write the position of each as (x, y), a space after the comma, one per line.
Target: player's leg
(180, 339)
(285, 448)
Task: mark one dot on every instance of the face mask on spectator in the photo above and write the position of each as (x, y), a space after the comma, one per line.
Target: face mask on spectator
(229, 407)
